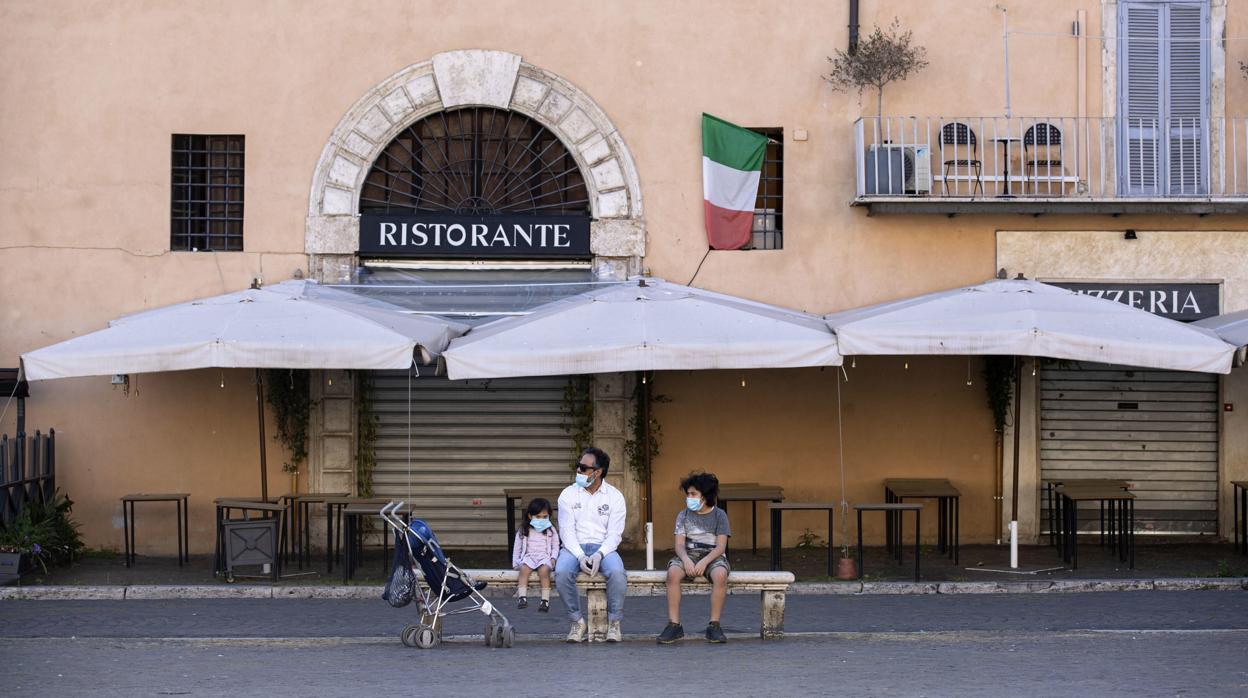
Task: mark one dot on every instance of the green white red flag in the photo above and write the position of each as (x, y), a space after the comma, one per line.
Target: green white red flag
(732, 162)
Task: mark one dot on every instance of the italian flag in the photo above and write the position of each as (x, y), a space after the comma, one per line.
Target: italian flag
(732, 161)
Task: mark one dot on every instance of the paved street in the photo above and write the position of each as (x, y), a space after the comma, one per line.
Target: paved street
(1138, 643)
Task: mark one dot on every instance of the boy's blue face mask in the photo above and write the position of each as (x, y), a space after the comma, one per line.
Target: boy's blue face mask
(694, 503)
(540, 524)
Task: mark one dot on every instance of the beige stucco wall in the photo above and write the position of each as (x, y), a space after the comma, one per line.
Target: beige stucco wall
(921, 421)
(91, 91)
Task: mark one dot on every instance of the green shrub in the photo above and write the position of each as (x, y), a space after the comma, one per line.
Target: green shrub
(44, 532)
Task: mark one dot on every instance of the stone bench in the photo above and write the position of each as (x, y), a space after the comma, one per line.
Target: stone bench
(770, 586)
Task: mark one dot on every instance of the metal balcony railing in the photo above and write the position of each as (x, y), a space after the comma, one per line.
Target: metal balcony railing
(1056, 159)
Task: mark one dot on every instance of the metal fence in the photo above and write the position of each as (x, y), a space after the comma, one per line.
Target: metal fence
(27, 472)
(1051, 157)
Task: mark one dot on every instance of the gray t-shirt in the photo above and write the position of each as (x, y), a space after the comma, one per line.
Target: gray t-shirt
(702, 528)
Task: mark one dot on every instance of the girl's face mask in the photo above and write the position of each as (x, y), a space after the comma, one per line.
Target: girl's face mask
(539, 524)
(693, 503)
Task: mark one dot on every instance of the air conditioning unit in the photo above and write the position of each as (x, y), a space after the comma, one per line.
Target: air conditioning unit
(898, 170)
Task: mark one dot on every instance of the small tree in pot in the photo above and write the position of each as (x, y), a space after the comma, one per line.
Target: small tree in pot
(884, 57)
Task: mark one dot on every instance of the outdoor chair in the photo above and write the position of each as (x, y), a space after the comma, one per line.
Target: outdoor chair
(1042, 154)
(960, 136)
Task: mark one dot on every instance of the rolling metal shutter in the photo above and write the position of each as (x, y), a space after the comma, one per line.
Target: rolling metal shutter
(1155, 429)
(470, 440)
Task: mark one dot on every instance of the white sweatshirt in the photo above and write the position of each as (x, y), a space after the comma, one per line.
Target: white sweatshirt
(586, 518)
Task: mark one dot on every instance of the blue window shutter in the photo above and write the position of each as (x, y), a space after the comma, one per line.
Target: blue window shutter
(1187, 92)
(1163, 97)
(1139, 97)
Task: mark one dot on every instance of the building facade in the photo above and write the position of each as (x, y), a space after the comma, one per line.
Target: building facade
(157, 154)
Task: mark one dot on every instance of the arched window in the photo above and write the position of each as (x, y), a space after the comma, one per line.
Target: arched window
(475, 161)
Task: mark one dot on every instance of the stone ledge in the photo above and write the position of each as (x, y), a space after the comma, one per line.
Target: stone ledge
(899, 588)
(1087, 585)
(502, 579)
(993, 587)
(64, 593)
(198, 591)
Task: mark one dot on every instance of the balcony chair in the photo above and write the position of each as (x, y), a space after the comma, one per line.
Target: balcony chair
(959, 134)
(1042, 152)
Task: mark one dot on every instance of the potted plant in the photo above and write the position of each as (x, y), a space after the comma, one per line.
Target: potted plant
(41, 533)
(10, 564)
(885, 56)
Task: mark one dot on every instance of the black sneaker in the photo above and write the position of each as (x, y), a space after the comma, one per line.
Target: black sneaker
(714, 633)
(672, 633)
(544, 606)
(523, 602)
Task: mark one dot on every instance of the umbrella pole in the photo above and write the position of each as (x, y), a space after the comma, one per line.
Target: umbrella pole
(645, 445)
(264, 466)
(1018, 425)
(644, 396)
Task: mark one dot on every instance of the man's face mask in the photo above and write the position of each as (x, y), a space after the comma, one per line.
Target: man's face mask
(585, 474)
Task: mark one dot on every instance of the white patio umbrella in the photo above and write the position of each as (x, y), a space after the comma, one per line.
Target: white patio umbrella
(1028, 318)
(1231, 327)
(293, 324)
(642, 325)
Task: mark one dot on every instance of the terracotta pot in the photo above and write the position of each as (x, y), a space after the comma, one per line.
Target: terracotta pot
(846, 569)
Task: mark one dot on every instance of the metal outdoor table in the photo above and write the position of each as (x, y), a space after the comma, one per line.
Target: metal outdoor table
(752, 493)
(1239, 493)
(127, 516)
(889, 508)
(301, 524)
(353, 539)
(333, 512)
(1005, 142)
(949, 510)
(1057, 520)
(248, 505)
(516, 497)
(777, 509)
(1121, 520)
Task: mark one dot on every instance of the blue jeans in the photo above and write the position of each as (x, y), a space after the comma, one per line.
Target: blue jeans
(612, 568)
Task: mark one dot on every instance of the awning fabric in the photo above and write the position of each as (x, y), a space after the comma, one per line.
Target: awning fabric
(1028, 318)
(642, 325)
(293, 324)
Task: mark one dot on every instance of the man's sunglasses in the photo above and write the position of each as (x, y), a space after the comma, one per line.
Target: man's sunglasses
(582, 468)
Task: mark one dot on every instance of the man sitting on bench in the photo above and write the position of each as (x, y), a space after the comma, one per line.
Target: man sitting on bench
(591, 524)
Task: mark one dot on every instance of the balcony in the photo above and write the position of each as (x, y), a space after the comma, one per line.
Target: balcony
(1051, 165)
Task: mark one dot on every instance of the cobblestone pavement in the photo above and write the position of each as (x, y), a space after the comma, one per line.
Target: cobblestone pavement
(1138, 643)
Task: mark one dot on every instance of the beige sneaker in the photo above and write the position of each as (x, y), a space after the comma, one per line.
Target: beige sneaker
(577, 632)
(613, 632)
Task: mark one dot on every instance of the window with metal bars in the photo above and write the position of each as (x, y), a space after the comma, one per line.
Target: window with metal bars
(768, 230)
(207, 201)
(475, 161)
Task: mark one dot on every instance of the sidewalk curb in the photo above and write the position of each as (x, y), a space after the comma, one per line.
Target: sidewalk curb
(217, 591)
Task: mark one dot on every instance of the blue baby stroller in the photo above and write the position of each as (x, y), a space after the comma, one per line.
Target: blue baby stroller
(418, 556)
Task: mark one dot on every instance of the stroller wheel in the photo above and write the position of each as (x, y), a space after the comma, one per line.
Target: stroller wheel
(408, 636)
(509, 636)
(489, 634)
(500, 636)
(425, 637)
(229, 577)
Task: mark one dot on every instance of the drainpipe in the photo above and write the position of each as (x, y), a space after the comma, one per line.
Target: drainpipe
(853, 27)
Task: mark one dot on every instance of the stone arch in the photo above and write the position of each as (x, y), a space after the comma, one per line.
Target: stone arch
(476, 78)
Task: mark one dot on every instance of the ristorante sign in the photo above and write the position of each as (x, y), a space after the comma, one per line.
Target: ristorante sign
(430, 236)
(1180, 301)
